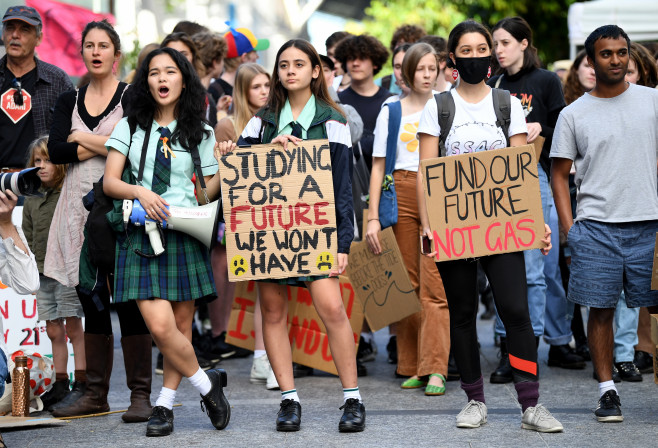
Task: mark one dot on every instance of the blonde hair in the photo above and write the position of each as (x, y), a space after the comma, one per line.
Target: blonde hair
(39, 147)
(242, 110)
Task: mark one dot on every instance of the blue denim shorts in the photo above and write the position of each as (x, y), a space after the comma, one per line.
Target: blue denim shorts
(609, 257)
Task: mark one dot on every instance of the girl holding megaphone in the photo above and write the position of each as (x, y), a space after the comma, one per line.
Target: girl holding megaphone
(166, 108)
(299, 107)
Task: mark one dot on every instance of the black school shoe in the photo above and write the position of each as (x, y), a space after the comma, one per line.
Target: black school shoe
(643, 361)
(628, 371)
(609, 408)
(354, 416)
(160, 423)
(214, 403)
(565, 357)
(289, 417)
(55, 394)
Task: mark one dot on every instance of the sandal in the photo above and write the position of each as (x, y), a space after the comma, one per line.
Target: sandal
(432, 390)
(414, 383)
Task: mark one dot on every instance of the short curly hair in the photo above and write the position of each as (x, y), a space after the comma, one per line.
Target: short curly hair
(408, 34)
(211, 47)
(362, 46)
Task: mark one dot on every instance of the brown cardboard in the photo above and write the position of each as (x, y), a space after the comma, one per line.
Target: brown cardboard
(9, 421)
(502, 184)
(654, 339)
(279, 211)
(654, 269)
(306, 332)
(381, 282)
(539, 145)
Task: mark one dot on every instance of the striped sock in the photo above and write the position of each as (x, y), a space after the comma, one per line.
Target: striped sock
(351, 393)
(290, 395)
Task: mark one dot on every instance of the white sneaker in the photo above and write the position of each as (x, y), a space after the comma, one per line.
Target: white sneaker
(259, 370)
(271, 383)
(473, 415)
(540, 419)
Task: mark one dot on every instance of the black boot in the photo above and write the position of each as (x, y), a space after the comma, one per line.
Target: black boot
(354, 416)
(289, 417)
(565, 357)
(161, 422)
(215, 403)
(503, 374)
(55, 394)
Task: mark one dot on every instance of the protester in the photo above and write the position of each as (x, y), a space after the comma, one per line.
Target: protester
(212, 50)
(299, 107)
(580, 79)
(470, 46)
(423, 339)
(56, 303)
(617, 210)
(439, 45)
(540, 92)
(166, 107)
(252, 88)
(190, 28)
(82, 123)
(405, 34)
(396, 59)
(342, 80)
(22, 73)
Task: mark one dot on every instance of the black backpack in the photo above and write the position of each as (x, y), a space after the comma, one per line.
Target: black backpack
(446, 114)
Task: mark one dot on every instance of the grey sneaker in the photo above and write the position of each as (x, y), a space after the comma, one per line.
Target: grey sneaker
(473, 415)
(540, 419)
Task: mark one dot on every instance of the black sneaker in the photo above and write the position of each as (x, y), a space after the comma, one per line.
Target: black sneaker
(55, 394)
(615, 375)
(628, 371)
(204, 363)
(643, 361)
(300, 371)
(366, 351)
(354, 416)
(609, 408)
(219, 347)
(214, 403)
(160, 423)
(565, 357)
(392, 349)
(289, 417)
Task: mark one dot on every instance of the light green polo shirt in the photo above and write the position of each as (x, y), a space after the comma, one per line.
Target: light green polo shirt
(305, 119)
(181, 190)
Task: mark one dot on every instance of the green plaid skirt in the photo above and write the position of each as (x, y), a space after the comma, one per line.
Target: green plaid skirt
(294, 281)
(181, 273)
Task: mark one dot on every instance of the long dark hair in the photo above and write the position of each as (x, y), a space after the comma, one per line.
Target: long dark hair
(465, 27)
(190, 108)
(520, 29)
(279, 94)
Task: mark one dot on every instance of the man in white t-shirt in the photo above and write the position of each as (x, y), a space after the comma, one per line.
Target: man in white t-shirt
(611, 134)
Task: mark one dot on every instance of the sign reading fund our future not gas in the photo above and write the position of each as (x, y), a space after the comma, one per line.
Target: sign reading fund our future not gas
(484, 203)
(279, 210)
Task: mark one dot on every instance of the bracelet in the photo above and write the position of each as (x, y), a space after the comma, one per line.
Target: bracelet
(373, 219)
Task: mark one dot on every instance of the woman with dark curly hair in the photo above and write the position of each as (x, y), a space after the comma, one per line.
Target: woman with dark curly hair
(580, 79)
(166, 108)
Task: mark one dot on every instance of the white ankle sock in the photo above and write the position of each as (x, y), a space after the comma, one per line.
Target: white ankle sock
(351, 393)
(606, 386)
(290, 395)
(166, 398)
(201, 382)
(259, 354)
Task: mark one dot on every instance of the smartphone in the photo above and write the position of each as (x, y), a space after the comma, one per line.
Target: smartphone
(425, 245)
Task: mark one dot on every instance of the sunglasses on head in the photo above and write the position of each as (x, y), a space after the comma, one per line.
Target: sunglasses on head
(18, 94)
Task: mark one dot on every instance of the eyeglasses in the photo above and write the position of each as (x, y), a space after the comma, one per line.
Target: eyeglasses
(18, 94)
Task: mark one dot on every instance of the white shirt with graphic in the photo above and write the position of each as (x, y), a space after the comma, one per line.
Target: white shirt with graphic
(407, 144)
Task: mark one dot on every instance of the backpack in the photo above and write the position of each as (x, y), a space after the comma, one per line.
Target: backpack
(446, 114)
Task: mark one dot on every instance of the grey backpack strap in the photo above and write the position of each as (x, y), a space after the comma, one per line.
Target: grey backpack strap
(503, 107)
(446, 114)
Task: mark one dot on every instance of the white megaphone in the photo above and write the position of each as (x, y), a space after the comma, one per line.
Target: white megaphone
(198, 222)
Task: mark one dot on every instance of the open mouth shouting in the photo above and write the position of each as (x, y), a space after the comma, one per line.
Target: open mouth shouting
(96, 63)
(163, 91)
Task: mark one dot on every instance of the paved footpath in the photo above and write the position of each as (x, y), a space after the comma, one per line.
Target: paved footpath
(395, 417)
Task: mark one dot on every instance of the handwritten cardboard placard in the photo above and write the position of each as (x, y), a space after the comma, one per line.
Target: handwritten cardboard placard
(539, 145)
(654, 269)
(279, 210)
(306, 332)
(484, 203)
(381, 282)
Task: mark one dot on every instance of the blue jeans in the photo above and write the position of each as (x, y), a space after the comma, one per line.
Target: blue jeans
(534, 269)
(557, 324)
(626, 320)
(4, 372)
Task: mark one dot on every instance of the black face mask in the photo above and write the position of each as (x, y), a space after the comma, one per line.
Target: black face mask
(473, 70)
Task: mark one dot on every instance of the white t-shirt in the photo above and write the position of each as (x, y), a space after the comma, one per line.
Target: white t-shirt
(407, 143)
(474, 126)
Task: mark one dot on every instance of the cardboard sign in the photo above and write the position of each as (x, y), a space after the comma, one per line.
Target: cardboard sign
(484, 203)
(539, 145)
(279, 210)
(306, 332)
(381, 282)
(654, 269)
(654, 338)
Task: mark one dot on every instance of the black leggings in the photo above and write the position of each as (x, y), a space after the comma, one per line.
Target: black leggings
(99, 322)
(506, 273)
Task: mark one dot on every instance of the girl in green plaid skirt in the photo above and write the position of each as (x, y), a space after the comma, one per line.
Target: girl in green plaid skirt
(167, 101)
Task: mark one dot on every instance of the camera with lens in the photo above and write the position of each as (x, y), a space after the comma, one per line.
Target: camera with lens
(21, 183)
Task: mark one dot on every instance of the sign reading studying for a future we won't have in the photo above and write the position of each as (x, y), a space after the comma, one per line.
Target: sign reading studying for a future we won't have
(279, 210)
(484, 203)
